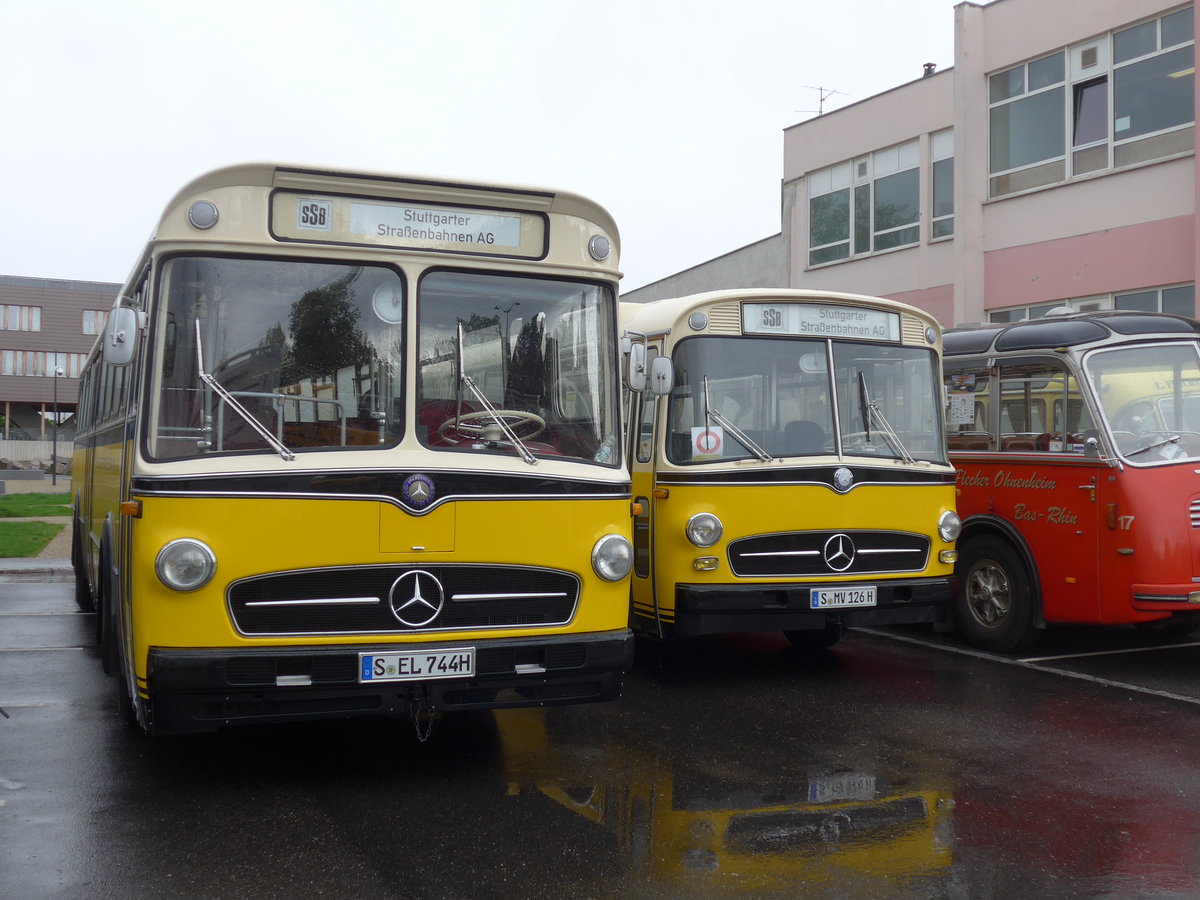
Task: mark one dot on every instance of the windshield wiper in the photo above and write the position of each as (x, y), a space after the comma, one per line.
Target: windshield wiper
(742, 438)
(870, 410)
(1170, 439)
(235, 405)
(497, 416)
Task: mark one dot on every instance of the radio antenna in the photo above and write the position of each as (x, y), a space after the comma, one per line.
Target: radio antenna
(823, 93)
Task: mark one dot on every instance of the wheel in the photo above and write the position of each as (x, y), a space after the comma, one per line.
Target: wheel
(484, 425)
(994, 609)
(817, 638)
(83, 590)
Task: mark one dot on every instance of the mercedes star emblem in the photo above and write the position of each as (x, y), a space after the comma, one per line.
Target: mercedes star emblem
(416, 598)
(839, 552)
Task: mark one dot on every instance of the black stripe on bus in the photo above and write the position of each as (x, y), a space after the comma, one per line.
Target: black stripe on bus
(387, 486)
(815, 475)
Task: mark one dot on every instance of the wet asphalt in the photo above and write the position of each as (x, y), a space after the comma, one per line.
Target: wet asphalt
(898, 764)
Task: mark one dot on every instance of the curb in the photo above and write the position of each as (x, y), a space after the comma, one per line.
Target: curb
(53, 570)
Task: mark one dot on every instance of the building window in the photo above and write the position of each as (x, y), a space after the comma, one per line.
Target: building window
(93, 320)
(1178, 299)
(20, 318)
(1118, 101)
(941, 154)
(869, 205)
(39, 362)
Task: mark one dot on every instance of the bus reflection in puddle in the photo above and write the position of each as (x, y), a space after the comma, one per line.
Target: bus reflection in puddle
(678, 819)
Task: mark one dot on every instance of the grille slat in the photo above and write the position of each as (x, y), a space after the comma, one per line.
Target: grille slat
(357, 600)
(802, 553)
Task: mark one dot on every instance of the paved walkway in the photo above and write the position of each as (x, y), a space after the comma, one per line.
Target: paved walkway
(54, 562)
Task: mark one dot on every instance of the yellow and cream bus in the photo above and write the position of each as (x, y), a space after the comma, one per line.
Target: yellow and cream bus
(789, 461)
(348, 446)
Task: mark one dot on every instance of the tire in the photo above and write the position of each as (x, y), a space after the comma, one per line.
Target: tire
(817, 638)
(994, 608)
(83, 590)
(106, 619)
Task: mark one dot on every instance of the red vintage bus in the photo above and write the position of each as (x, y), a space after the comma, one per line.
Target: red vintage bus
(1077, 442)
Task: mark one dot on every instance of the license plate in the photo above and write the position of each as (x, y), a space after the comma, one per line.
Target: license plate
(840, 598)
(840, 788)
(411, 665)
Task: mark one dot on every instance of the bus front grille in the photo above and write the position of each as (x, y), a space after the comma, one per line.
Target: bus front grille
(827, 553)
(402, 599)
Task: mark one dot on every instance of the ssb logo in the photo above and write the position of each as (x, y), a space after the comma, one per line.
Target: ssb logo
(315, 215)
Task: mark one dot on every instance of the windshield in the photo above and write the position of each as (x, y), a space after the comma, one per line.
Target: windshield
(309, 353)
(781, 396)
(1150, 397)
(538, 351)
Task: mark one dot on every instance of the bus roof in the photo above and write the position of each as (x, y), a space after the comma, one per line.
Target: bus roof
(1063, 328)
(383, 185)
(657, 314)
(408, 187)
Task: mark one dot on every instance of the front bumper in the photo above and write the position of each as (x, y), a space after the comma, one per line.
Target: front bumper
(205, 689)
(736, 608)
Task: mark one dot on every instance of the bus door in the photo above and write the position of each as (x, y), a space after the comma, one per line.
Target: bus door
(644, 429)
(1049, 482)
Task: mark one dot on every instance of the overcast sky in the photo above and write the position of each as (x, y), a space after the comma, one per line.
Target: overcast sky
(670, 113)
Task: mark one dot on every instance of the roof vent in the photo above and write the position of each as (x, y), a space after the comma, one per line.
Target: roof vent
(930, 68)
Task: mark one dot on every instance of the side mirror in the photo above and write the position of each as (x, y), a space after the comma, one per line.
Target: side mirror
(121, 336)
(662, 376)
(636, 376)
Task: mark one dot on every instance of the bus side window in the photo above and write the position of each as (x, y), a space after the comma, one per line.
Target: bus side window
(1031, 413)
(967, 408)
(645, 439)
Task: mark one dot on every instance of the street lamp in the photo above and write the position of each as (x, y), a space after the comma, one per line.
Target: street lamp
(54, 452)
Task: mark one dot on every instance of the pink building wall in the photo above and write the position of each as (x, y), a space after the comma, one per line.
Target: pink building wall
(1116, 259)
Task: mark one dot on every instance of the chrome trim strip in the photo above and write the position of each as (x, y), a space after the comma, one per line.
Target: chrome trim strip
(336, 601)
(782, 553)
(525, 596)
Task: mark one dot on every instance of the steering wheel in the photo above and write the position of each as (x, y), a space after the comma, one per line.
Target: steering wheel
(484, 425)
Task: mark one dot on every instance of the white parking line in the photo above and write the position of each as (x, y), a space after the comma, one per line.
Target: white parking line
(1111, 652)
(1029, 664)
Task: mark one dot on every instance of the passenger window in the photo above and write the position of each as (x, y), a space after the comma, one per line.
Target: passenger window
(966, 408)
(1042, 410)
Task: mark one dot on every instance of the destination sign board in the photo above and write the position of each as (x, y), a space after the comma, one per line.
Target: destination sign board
(417, 226)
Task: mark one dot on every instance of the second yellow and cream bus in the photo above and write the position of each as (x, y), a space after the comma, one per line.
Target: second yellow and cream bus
(789, 462)
(348, 447)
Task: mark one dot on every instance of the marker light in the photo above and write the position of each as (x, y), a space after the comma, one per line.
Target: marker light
(185, 565)
(203, 214)
(949, 525)
(612, 557)
(600, 247)
(704, 529)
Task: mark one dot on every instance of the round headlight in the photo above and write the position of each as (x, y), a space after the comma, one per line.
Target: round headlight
(185, 565)
(612, 557)
(949, 525)
(704, 529)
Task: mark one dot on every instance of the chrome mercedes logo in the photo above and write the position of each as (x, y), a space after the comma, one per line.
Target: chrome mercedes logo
(416, 598)
(843, 478)
(839, 552)
(418, 491)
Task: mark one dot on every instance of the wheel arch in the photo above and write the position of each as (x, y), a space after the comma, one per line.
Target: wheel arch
(994, 526)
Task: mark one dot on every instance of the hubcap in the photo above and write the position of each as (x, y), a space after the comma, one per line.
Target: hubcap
(988, 594)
